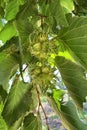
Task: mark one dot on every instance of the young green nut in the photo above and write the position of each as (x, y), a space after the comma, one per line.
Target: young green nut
(42, 37)
(36, 53)
(43, 55)
(36, 71)
(45, 70)
(37, 46)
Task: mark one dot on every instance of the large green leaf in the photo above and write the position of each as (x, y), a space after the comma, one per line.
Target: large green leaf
(32, 122)
(8, 32)
(74, 79)
(26, 19)
(12, 8)
(69, 112)
(7, 65)
(19, 101)
(75, 38)
(53, 9)
(68, 115)
(58, 13)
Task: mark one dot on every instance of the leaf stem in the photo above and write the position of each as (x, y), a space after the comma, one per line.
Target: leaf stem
(40, 104)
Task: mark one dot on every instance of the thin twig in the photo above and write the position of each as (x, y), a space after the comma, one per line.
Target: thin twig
(40, 104)
(17, 76)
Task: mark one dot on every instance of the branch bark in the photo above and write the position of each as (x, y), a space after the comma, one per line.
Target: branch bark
(40, 105)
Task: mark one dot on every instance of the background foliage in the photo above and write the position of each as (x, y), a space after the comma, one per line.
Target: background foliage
(38, 40)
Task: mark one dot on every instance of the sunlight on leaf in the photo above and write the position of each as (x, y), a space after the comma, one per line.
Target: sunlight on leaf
(7, 32)
(68, 5)
(12, 8)
(58, 96)
(67, 55)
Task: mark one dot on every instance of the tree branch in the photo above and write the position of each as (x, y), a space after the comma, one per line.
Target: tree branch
(40, 104)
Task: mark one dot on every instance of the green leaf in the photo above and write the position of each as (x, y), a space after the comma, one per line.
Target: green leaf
(3, 125)
(2, 6)
(7, 32)
(17, 124)
(75, 38)
(32, 122)
(12, 9)
(3, 2)
(69, 6)
(1, 12)
(19, 101)
(68, 115)
(1, 25)
(58, 14)
(7, 65)
(53, 10)
(26, 19)
(24, 29)
(3, 93)
(80, 7)
(74, 79)
(58, 96)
